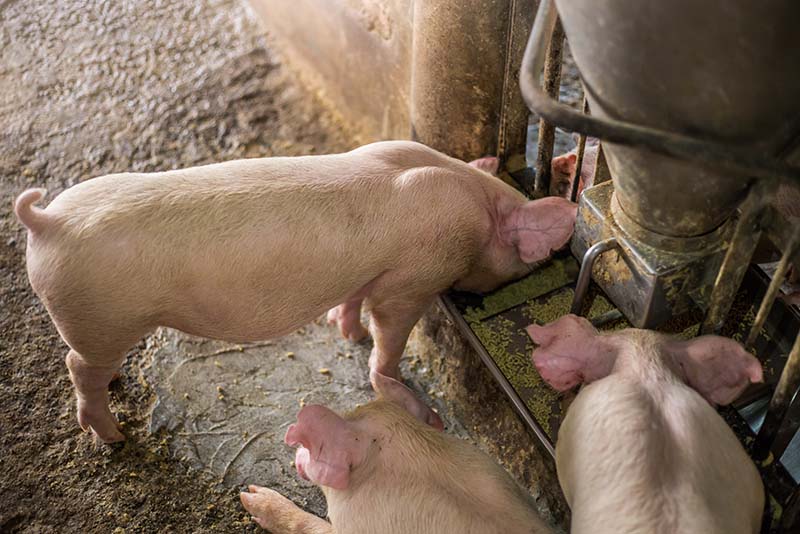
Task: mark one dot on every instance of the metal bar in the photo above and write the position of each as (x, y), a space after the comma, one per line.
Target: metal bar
(740, 161)
(606, 318)
(519, 405)
(787, 430)
(547, 131)
(778, 229)
(601, 170)
(737, 258)
(790, 519)
(778, 405)
(573, 194)
(585, 276)
(772, 290)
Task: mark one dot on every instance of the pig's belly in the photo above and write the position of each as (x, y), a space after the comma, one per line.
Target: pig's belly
(247, 314)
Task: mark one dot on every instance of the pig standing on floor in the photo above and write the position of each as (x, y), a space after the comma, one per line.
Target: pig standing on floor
(253, 249)
(639, 449)
(383, 471)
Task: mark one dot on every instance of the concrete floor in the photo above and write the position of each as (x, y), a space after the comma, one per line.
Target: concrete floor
(89, 88)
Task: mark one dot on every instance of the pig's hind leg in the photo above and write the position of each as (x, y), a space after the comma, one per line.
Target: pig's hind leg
(91, 389)
(277, 514)
(347, 317)
(97, 351)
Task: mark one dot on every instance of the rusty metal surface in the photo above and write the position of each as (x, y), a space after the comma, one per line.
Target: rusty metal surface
(737, 160)
(602, 173)
(547, 131)
(462, 58)
(773, 289)
(738, 256)
(647, 283)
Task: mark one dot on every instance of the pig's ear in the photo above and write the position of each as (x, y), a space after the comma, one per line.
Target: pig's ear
(539, 227)
(333, 446)
(488, 164)
(390, 389)
(717, 367)
(570, 352)
(564, 164)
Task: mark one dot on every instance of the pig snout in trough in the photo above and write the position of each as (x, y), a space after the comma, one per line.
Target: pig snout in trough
(642, 448)
(382, 470)
(253, 249)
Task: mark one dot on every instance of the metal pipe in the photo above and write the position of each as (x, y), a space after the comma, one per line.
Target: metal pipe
(779, 404)
(586, 271)
(737, 258)
(772, 291)
(747, 162)
(547, 131)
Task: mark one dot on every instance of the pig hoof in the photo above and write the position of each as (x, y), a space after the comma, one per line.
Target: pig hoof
(348, 321)
(333, 315)
(101, 421)
(355, 334)
(269, 508)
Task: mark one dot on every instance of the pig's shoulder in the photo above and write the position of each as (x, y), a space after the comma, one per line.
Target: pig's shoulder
(404, 152)
(621, 409)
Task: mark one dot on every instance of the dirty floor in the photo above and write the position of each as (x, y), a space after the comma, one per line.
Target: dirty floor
(89, 88)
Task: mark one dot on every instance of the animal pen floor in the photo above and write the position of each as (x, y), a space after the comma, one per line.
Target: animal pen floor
(91, 88)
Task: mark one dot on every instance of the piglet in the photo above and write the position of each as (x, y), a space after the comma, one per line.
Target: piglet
(642, 448)
(253, 249)
(564, 168)
(787, 202)
(383, 471)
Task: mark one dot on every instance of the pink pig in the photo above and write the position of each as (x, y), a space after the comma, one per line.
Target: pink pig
(253, 249)
(642, 448)
(383, 471)
(564, 168)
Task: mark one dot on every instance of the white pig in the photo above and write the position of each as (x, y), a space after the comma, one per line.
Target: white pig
(253, 249)
(383, 471)
(639, 449)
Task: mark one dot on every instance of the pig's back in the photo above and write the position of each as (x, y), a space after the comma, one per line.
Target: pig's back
(720, 489)
(636, 459)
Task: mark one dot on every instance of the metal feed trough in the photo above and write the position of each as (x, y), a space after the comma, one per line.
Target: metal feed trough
(698, 130)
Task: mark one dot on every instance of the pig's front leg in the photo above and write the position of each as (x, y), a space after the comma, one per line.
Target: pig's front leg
(391, 324)
(347, 317)
(277, 514)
